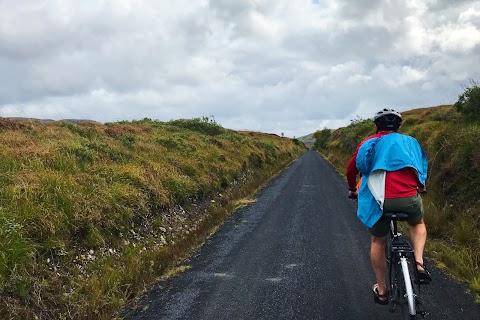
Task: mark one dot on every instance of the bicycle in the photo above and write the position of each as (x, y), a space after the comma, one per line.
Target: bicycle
(403, 282)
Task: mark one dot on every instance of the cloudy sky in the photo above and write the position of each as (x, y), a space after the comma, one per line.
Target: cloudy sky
(291, 66)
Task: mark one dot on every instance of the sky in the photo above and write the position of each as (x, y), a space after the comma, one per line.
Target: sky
(275, 66)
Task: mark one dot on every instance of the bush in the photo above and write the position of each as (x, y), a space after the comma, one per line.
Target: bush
(321, 138)
(271, 152)
(203, 125)
(468, 103)
(354, 133)
(298, 142)
(82, 130)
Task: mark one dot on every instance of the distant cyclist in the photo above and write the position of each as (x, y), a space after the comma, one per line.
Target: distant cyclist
(394, 170)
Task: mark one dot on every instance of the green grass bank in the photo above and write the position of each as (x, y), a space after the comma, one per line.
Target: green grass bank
(91, 215)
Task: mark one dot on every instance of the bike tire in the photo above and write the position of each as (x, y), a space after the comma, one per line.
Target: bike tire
(406, 294)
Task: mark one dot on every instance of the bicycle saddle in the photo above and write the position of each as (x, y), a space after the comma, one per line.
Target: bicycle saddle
(396, 215)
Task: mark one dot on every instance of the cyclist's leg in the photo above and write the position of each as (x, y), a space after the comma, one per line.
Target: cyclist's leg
(377, 253)
(418, 235)
(379, 262)
(418, 230)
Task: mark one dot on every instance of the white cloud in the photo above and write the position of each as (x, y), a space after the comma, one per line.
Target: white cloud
(459, 38)
(397, 76)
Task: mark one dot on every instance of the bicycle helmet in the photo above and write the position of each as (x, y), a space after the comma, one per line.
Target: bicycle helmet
(387, 119)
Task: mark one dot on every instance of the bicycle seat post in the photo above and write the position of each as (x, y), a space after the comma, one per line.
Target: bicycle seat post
(394, 217)
(394, 227)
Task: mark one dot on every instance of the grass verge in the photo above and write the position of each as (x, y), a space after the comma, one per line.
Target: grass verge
(91, 214)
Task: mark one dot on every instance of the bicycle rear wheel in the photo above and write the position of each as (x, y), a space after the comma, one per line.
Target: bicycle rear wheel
(406, 294)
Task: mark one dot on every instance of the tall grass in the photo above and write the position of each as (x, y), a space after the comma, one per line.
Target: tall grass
(91, 214)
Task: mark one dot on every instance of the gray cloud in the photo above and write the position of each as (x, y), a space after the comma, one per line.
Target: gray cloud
(268, 65)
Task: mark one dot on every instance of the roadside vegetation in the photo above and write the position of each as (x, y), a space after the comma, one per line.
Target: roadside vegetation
(450, 135)
(93, 214)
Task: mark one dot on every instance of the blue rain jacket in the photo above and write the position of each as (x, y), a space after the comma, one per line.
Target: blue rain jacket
(391, 152)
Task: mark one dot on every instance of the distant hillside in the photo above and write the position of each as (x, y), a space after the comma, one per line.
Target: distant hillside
(50, 120)
(308, 140)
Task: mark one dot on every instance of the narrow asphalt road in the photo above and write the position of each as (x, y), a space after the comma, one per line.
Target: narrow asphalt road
(298, 252)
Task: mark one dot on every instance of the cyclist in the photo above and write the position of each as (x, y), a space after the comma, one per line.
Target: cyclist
(394, 170)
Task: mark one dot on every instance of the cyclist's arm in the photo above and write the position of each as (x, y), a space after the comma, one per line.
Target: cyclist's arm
(352, 171)
(422, 189)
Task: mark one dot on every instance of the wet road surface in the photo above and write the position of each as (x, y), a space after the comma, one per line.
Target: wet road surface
(298, 252)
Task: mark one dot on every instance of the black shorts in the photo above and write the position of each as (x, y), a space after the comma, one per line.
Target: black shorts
(413, 206)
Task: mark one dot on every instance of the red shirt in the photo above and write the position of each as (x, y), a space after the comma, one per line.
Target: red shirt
(402, 183)
(398, 184)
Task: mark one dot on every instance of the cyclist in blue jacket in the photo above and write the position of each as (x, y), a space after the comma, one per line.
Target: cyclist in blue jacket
(394, 169)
